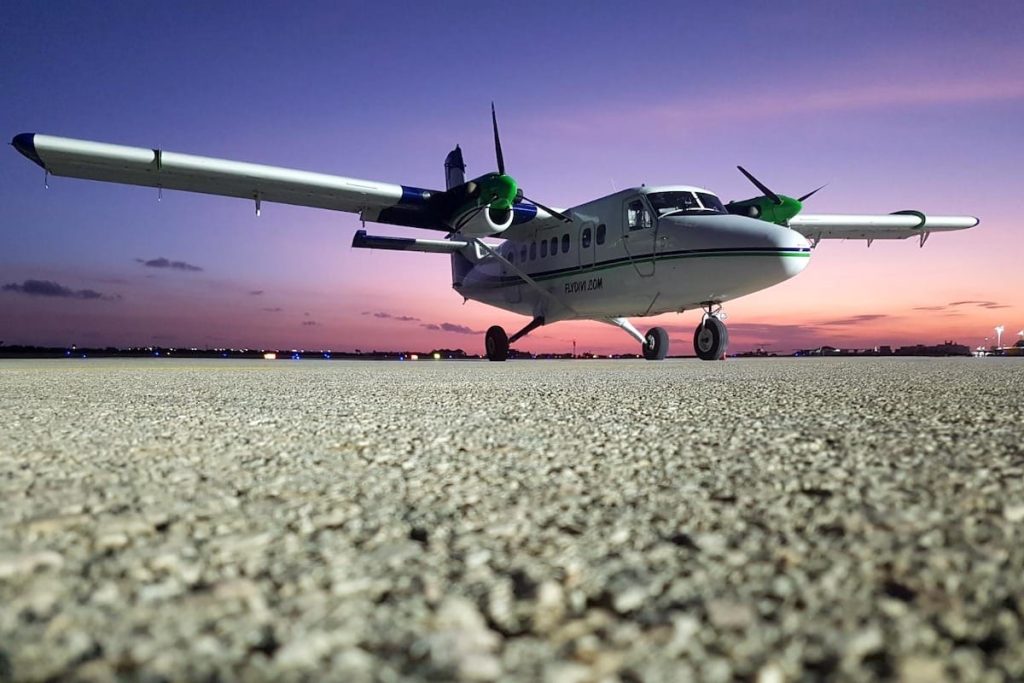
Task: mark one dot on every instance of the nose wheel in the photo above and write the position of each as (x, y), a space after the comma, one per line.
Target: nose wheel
(711, 339)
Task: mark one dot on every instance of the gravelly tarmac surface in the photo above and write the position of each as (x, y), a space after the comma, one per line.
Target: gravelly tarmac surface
(759, 520)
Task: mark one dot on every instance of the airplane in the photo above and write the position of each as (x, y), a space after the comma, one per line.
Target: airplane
(639, 252)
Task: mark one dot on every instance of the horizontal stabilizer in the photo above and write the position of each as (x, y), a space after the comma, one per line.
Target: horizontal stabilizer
(363, 241)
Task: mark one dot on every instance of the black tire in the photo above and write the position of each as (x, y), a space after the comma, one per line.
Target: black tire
(496, 343)
(656, 347)
(711, 339)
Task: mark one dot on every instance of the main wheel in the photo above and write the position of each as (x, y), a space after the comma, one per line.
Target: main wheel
(656, 347)
(496, 343)
(711, 339)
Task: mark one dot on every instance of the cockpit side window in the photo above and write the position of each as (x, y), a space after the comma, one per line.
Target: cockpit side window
(637, 215)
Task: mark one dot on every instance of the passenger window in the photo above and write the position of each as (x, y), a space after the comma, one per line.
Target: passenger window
(637, 216)
(585, 239)
(533, 250)
(601, 230)
(543, 248)
(554, 246)
(565, 244)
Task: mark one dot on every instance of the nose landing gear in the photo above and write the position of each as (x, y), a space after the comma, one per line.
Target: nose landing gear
(711, 338)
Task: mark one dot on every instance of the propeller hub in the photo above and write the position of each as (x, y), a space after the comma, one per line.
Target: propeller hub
(503, 191)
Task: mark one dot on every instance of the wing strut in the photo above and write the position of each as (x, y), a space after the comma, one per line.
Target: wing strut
(523, 276)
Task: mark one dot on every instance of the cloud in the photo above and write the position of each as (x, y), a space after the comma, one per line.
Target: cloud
(272, 309)
(388, 316)
(309, 323)
(165, 263)
(979, 304)
(854, 319)
(929, 308)
(53, 289)
(256, 292)
(450, 327)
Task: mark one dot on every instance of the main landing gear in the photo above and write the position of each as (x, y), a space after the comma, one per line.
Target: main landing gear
(653, 345)
(711, 338)
(496, 342)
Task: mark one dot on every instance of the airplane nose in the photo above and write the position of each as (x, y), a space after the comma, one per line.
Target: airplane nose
(794, 251)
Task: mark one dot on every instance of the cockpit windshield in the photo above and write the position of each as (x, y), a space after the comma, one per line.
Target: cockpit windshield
(684, 201)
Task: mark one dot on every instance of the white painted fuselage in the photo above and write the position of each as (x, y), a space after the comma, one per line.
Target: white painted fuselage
(612, 262)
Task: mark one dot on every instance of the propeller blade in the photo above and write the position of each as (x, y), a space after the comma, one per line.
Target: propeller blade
(497, 142)
(761, 186)
(557, 214)
(810, 193)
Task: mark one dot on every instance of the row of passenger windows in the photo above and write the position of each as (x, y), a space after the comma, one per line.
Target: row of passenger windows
(550, 247)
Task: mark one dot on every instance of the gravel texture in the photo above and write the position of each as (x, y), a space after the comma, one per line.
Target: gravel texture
(762, 520)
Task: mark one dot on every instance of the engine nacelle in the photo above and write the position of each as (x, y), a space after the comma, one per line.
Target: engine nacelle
(483, 222)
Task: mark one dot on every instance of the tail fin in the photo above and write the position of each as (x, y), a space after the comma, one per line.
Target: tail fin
(454, 169)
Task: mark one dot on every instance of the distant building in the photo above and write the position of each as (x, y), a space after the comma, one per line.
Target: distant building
(947, 348)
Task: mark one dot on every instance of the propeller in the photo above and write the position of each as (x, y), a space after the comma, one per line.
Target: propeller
(810, 193)
(768, 193)
(761, 186)
(497, 142)
(557, 214)
(501, 170)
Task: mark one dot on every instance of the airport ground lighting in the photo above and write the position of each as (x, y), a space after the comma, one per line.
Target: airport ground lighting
(999, 336)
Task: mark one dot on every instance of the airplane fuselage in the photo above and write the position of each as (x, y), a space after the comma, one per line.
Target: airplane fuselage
(619, 258)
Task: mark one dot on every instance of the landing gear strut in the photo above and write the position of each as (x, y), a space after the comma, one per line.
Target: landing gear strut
(711, 338)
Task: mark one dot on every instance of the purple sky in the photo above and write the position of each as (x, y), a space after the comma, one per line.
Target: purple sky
(895, 105)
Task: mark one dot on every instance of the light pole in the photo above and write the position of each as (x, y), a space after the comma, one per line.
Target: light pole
(999, 336)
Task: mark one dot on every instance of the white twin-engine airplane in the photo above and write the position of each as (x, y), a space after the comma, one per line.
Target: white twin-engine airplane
(639, 252)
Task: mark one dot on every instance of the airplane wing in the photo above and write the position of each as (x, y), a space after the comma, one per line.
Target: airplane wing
(374, 201)
(894, 226)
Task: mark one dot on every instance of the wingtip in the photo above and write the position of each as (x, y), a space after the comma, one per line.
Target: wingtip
(26, 144)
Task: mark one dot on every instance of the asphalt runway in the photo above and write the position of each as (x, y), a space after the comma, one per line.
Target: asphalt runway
(765, 520)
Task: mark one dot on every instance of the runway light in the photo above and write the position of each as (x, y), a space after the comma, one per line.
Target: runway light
(437, 356)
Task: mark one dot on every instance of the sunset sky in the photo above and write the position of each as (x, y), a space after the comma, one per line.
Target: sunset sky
(895, 105)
